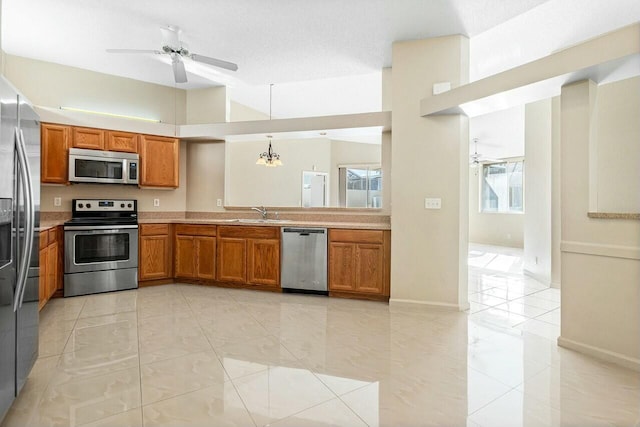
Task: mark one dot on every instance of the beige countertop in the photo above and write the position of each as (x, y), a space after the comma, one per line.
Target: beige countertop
(46, 225)
(271, 223)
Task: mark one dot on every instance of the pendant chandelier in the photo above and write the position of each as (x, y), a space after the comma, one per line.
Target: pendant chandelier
(269, 158)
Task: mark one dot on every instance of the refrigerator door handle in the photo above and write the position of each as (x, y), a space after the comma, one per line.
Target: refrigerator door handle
(25, 258)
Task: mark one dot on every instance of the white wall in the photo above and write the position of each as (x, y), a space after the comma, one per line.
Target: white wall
(205, 176)
(51, 85)
(490, 228)
(600, 257)
(500, 135)
(537, 175)
(429, 247)
(248, 184)
(618, 147)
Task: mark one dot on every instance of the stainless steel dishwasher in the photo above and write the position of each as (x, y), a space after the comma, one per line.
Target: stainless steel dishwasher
(304, 260)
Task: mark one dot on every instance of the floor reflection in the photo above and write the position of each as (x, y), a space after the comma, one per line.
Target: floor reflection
(183, 355)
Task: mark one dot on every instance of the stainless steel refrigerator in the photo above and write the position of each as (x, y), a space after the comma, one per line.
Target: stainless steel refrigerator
(19, 248)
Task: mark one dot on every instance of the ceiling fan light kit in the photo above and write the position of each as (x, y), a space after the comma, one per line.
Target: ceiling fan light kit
(177, 50)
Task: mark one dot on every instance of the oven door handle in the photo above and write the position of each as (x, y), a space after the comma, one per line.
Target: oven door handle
(100, 229)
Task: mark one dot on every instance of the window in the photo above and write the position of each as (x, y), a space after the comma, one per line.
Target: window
(503, 187)
(360, 187)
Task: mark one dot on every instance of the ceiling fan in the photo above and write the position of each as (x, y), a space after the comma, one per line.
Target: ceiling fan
(172, 46)
(476, 158)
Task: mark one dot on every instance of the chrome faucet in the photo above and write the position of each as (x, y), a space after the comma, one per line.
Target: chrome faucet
(262, 210)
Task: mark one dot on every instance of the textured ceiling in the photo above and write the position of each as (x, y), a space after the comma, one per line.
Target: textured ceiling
(272, 41)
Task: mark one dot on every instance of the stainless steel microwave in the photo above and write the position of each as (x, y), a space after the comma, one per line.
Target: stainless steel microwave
(106, 167)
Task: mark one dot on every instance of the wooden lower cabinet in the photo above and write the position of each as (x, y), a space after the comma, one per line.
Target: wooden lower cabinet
(195, 248)
(232, 260)
(359, 262)
(263, 262)
(249, 255)
(50, 280)
(154, 260)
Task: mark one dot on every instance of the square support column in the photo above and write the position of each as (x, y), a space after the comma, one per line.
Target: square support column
(429, 160)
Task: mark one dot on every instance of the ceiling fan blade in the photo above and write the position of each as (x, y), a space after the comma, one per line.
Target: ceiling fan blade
(133, 51)
(171, 36)
(179, 73)
(215, 62)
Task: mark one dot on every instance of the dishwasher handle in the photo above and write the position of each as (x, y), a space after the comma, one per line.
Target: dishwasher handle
(304, 231)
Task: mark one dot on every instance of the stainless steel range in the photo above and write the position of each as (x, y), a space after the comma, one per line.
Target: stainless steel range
(101, 247)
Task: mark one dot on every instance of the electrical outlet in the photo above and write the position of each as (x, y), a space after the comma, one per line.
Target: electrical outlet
(219, 202)
(57, 201)
(156, 202)
(432, 203)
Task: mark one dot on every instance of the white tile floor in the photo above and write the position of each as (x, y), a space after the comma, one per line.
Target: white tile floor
(500, 293)
(181, 355)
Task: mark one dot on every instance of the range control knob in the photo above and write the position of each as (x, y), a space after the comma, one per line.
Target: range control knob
(122, 205)
(88, 205)
(129, 205)
(80, 205)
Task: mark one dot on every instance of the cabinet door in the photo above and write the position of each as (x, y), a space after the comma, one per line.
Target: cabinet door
(205, 257)
(42, 280)
(342, 263)
(263, 262)
(122, 141)
(90, 138)
(159, 161)
(232, 260)
(185, 256)
(369, 268)
(52, 269)
(54, 153)
(154, 257)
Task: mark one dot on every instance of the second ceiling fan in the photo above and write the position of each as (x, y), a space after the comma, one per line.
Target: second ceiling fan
(172, 46)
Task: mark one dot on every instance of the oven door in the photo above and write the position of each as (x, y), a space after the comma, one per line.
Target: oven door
(99, 248)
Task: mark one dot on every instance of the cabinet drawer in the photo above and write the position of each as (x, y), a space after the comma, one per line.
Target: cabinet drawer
(356, 236)
(241, 231)
(196, 230)
(154, 229)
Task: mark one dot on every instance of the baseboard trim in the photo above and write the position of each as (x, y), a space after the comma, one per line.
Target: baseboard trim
(599, 353)
(432, 304)
(555, 285)
(544, 280)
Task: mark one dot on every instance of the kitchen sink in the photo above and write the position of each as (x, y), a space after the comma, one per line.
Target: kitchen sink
(263, 221)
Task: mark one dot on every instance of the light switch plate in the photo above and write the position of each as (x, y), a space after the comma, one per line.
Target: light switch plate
(57, 201)
(431, 203)
(156, 202)
(219, 202)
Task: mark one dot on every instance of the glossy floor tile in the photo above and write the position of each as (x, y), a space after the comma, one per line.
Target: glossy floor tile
(185, 355)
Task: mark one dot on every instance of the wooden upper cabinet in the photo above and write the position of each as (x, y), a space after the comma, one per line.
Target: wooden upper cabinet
(54, 161)
(159, 158)
(90, 138)
(122, 141)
